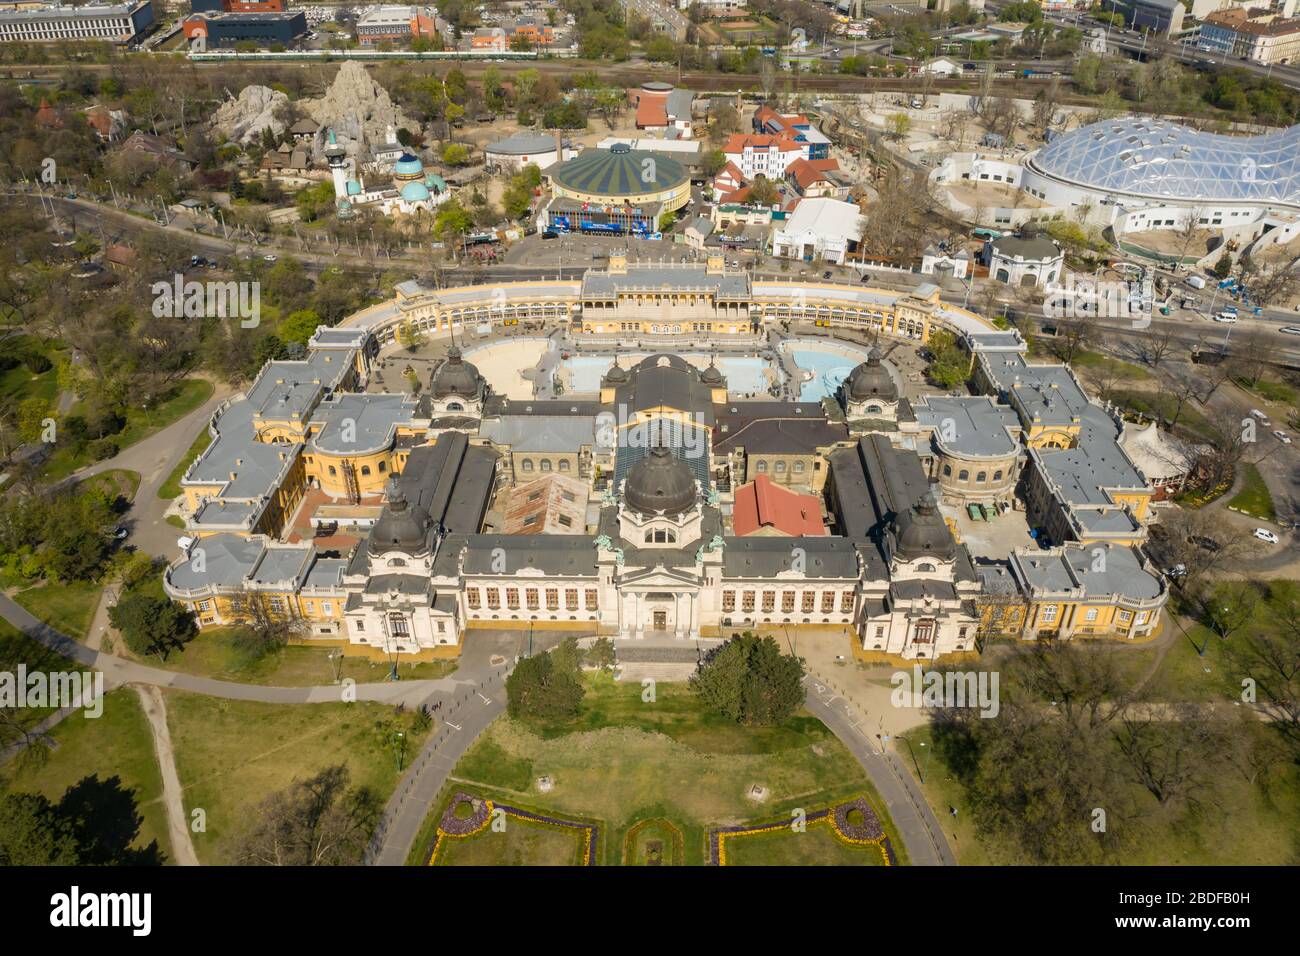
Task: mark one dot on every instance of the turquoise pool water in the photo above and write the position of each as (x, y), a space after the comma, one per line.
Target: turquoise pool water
(744, 374)
(829, 367)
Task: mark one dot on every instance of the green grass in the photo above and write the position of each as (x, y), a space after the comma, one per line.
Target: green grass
(140, 424)
(171, 488)
(66, 607)
(815, 846)
(118, 481)
(1095, 360)
(624, 759)
(117, 743)
(19, 383)
(520, 843)
(214, 654)
(1269, 390)
(1253, 498)
(232, 755)
(17, 648)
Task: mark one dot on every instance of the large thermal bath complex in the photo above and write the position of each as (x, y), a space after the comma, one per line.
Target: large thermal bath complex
(645, 453)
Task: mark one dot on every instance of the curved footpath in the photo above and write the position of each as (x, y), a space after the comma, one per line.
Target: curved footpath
(912, 816)
(473, 697)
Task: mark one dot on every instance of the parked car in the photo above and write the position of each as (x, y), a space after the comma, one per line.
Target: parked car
(1290, 330)
(1256, 413)
(120, 533)
(826, 274)
(270, 257)
(1226, 317)
(1283, 437)
(1201, 541)
(1265, 535)
(550, 235)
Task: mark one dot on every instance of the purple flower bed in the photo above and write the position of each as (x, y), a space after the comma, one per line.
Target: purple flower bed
(868, 829)
(454, 825)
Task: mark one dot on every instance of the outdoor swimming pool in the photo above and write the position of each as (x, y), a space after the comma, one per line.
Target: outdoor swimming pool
(830, 365)
(745, 374)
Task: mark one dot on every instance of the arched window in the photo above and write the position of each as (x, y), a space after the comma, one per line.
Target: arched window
(527, 464)
(383, 467)
(798, 467)
(982, 477)
(564, 464)
(925, 568)
(997, 475)
(365, 470)
(761, 468)
(947, 471)
(963, 475)
(455, 407)
(546, 464)
(332, 471)
(780, 467)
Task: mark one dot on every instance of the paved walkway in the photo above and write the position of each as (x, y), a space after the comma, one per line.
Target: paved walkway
(463, 716)
(916, 823)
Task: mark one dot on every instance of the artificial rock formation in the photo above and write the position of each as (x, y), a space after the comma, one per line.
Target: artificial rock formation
(359, 110)
(257, 108)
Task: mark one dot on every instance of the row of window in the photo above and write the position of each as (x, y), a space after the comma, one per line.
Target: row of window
(779, 467)
(562, 465)
(964, 475)
(475, 598)
(808, 601)
(1049, 613)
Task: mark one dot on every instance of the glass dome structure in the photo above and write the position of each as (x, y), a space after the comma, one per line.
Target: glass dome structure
(1142, 157)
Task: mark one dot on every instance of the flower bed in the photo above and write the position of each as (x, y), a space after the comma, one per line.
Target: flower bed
(867, 833)
(457, 827)
(678, 850)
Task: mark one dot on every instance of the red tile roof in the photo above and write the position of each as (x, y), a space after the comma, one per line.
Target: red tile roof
(761, 505)
(652, 110)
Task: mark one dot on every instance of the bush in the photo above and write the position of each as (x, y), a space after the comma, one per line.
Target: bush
(37, 363)
(103, 448)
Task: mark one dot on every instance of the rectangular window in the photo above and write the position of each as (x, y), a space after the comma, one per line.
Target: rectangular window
(552, 599)
(472, 598)
(747, 601)
(277, 605)
(531, 594)
(512, 598)
(809, 602)
(1048, 614)
(204, 606)
(728, 600)
(493, 598)
(846, 602)
(591, 599)
(787, 602)
(769, 601)
(1091, 614)
(571, 599)
(828, 602)
(327, 608)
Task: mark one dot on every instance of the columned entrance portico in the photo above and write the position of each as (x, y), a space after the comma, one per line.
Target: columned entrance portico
(659, 613)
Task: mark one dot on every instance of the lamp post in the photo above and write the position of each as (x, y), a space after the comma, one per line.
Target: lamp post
(400, 739)
(912, 752)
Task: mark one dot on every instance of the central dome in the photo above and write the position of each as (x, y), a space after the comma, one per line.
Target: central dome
(619, 171)
(402, 526)
(660, 482)
(871, 379)
(456, 377)
(922, 532)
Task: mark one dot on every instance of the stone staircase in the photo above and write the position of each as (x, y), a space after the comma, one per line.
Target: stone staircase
(658, 662)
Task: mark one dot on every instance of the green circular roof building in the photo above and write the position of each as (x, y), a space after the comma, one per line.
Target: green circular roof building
(620, 175)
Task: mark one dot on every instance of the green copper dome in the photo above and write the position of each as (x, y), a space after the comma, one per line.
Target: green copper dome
(619, 171)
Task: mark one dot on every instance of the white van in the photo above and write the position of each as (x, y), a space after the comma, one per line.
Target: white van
(1196, 282)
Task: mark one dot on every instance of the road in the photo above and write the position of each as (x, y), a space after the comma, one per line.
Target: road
(912, 816)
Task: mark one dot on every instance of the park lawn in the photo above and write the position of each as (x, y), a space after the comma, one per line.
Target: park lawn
(140, 424)
(17, 648)
(18, 384)
(214, 654)
(1095, 360)
(520, 843)
(65, 607)
(816, 846)
(120, 482)
(623, 760)
(1253, 498)
(1270, 390)
(231, 755)
(117, 743)
(171, 488)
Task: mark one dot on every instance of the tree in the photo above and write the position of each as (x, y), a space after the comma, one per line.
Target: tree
(95, 823)
(763, 192)
(1072, 337)
(299, 326)
(899, 124)
(600, 654)
(151, 625)
(714, 160)
(949, 365)
(542, 687)
(320, 821)
(452, 222)
(750, 681)
(456, 154)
